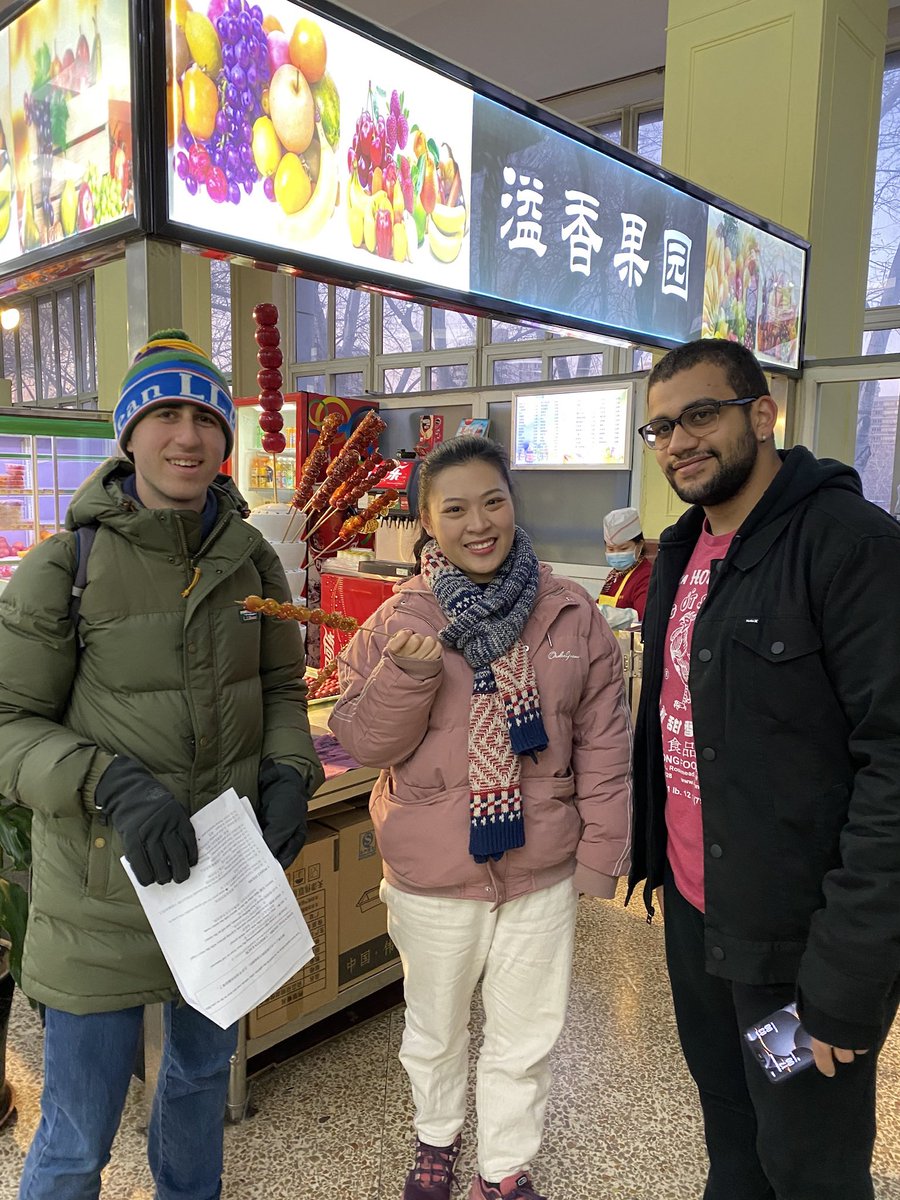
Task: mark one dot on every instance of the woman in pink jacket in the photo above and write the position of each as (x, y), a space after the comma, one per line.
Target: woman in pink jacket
(490, 693)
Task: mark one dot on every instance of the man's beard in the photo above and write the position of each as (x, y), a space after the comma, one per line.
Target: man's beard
(730, 478)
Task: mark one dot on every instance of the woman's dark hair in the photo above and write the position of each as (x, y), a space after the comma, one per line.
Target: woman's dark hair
(455, 453)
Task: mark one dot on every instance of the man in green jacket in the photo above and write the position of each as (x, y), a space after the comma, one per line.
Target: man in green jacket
(114, 733)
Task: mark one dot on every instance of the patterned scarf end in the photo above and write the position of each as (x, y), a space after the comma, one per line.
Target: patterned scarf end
(527, 733)
(495, 828)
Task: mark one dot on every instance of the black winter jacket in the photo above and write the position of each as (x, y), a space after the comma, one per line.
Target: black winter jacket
(795, 684)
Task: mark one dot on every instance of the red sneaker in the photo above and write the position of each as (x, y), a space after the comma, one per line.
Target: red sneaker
(513, 1187)
(432, 1177)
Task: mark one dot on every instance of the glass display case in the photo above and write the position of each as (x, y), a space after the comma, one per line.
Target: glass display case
(42, 465)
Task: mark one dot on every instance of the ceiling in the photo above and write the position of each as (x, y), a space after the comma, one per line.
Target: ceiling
(532, 47)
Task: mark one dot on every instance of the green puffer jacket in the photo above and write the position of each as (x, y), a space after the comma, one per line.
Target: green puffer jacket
(187, 686)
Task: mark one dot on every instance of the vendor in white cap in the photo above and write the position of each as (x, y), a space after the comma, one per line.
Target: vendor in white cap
(624, 593)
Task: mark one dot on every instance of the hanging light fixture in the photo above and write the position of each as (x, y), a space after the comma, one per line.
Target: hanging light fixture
(9, 319)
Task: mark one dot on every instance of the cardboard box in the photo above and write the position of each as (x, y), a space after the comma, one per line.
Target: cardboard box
(363, 942)
(314, 879)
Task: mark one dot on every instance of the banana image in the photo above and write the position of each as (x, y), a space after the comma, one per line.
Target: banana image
(451, 221)
(309, 221)
(443, 246)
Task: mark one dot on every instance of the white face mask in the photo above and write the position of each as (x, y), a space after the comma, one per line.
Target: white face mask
(621, 561)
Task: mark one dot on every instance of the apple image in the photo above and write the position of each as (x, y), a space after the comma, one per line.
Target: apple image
(68, 207)
(279, 49)
(84, 218)
(292, 109)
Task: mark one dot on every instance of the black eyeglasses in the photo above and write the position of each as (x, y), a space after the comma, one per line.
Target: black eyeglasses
(698, 420)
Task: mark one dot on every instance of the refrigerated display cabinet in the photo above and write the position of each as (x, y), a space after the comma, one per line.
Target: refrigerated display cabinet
(43, 462)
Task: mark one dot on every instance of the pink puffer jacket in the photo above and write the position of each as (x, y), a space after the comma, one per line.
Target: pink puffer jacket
(577, 796)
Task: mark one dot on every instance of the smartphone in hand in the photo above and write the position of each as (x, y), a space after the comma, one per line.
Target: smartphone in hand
(780, 1044)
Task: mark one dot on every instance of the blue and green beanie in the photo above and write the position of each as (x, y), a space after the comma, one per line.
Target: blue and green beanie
(170, 369)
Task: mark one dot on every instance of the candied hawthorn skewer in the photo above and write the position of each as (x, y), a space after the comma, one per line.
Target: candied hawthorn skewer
(299, 612)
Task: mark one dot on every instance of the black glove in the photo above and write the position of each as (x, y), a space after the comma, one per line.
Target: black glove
(156, 832)
(283, 801)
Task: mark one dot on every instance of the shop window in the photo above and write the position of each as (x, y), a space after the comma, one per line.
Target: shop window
(10, 371)
(507, 331)
(28, 391)
(452, 330)
(884, 252)
(309, 383)
(455, 375)
(65, 318)
(50, 356)
(48, 360)
(352, 315)
(881, 341)
(88, 349)
(876, 440)
(516, 370)
(312, 320)
(349, 384)
(611, 130)
(403, 326)
(403, 379)
(220, 296)
(642, 360)
(649, 134)
(575, 366)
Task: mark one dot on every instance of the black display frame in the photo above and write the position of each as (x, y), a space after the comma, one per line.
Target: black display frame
(108, 239)
(150, 174)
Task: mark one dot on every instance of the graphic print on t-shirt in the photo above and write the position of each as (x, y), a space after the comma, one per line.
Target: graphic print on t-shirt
(684, 822)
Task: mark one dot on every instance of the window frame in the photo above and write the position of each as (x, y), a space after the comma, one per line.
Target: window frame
(85, 396)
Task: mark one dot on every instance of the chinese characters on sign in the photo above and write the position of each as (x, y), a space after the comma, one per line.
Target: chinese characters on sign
(583, 238)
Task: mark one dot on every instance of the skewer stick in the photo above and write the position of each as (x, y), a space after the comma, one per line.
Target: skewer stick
(329, 512)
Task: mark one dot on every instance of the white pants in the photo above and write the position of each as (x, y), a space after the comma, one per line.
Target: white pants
(525, 951)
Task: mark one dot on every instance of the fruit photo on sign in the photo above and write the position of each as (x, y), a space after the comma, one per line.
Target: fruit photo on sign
(404, 191)
(71, 122)
(6, 185)
(731, 297)
(253, 110)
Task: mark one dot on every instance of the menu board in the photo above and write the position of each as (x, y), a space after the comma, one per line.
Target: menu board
(317, 145)
(588, 429)
(65, 124)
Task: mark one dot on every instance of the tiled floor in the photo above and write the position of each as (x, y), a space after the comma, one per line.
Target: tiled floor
(335, 1123)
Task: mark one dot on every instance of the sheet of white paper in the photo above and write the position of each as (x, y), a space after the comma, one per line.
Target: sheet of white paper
(233, 932)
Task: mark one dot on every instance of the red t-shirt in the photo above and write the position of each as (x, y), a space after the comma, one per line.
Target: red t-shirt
(684, 821)
(634, 593)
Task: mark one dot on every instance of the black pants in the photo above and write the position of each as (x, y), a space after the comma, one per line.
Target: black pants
(807, 1138)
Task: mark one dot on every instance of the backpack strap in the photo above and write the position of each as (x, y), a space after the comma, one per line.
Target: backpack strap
(84, 540)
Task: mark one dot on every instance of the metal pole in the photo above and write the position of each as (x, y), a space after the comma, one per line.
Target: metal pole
(238, 1092)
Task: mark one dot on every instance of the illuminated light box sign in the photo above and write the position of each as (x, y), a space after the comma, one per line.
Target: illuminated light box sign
(65, 127)
(585, 428)
(311, 144)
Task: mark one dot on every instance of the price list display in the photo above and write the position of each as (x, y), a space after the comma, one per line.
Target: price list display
(587, 430)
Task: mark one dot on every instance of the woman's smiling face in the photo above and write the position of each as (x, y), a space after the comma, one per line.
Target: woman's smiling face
(472, 518)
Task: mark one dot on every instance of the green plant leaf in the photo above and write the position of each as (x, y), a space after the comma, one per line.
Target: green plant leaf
(41, 67)
(15, 836)
(59, 119)
(14, 920)
(433, 151)
(417, 172)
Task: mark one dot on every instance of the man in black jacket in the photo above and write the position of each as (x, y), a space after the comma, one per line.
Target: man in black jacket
(767, 777)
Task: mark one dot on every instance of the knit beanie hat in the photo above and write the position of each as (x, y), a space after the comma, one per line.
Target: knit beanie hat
(170, 369)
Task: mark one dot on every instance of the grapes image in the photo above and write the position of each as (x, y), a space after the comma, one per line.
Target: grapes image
(223, 164)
